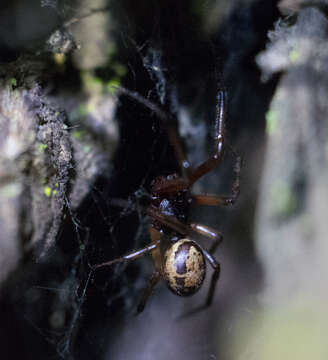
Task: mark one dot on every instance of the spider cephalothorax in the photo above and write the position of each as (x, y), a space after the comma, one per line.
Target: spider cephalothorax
(171, 195)
(178, 258)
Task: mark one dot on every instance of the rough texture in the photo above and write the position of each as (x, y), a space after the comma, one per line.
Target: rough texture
(177, 55)
(36, 154)
(49, 164)
(291, 227)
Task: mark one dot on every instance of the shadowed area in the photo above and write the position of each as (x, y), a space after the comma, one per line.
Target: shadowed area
(89, 91)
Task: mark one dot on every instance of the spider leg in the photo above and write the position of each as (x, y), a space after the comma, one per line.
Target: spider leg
(130, 256)
(170, 221)
(215, 200)
(182, 228)
(156, 276)
(187, 229)
(216, 158)
(215, 277)
(210, 233)
(155, 236)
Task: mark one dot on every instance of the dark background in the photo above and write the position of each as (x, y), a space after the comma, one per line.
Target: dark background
(176, 55)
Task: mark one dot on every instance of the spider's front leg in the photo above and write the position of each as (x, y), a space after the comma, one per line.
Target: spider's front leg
(214, 200)
(216, 158)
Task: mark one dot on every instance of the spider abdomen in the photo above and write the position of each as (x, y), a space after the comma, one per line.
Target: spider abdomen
(184, 267)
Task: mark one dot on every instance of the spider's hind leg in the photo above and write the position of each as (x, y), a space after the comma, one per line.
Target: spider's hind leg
(215, 277)
(209, 233)
(128, 257)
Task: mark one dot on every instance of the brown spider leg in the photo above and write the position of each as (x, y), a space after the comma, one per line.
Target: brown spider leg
(210, 233)
(215, 200)
(215, 277)
(216, 158)
(168, 220)
(212, 200)
(130, 256)
(186, 229)
(155, 236)
(156, 276)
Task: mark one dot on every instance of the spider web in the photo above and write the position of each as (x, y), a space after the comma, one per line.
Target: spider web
(121, 210)
(170, 63)
(111, 222)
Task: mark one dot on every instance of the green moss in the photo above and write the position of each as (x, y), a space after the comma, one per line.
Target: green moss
(42, 147)
(271, 118)
(284, 199)
(13, 82)
(96, 85)
(91, 82)
(91, 108)
(112, 85)
(78, 134)
(294, 56)
(85, 109)
(47, 191)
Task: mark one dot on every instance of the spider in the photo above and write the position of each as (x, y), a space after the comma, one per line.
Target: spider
(178, 258)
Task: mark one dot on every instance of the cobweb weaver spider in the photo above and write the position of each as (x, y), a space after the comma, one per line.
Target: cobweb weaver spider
(178, 259)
